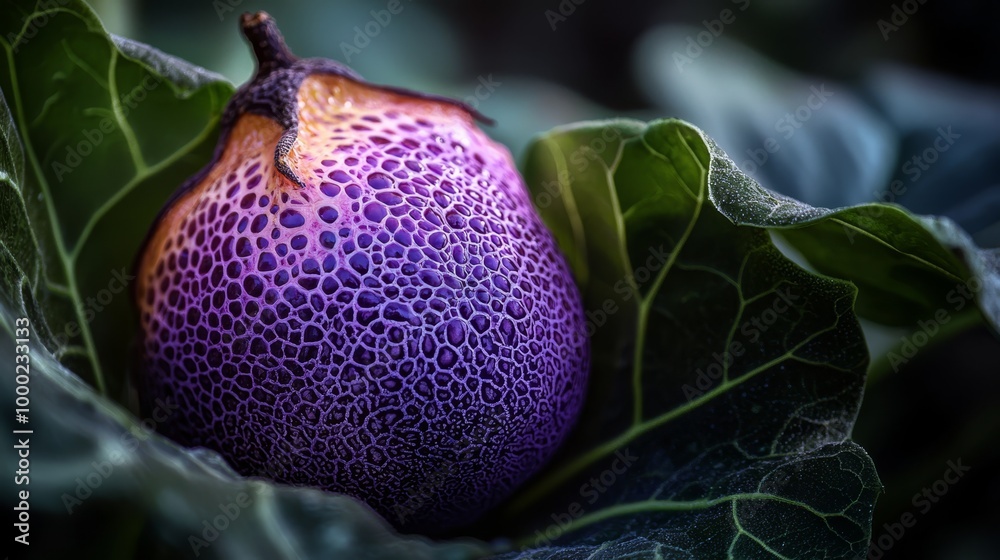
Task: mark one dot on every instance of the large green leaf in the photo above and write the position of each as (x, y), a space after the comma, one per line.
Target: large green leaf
(907, 268)
(726, 378)
(109, 129)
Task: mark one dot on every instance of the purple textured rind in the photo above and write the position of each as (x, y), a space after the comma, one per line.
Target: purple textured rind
(272, 93)
(402, 328)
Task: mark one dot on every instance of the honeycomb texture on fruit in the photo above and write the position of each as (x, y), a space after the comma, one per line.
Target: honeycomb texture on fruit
(399, 327)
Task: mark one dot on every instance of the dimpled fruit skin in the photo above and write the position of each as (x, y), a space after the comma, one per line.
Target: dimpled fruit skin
(400, 327)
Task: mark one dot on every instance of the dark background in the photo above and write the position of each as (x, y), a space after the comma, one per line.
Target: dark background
(591, 51)
(941, 406)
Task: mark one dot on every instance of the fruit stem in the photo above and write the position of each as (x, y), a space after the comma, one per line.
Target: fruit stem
(268, 45)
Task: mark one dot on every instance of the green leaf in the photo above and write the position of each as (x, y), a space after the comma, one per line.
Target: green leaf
(726, 378)
(109, 128)
(907, 268)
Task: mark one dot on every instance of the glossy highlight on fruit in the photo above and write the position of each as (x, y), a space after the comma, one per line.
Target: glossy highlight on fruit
(357, 294)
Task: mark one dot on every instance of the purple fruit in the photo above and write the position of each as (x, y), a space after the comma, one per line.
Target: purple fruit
(357, 294)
